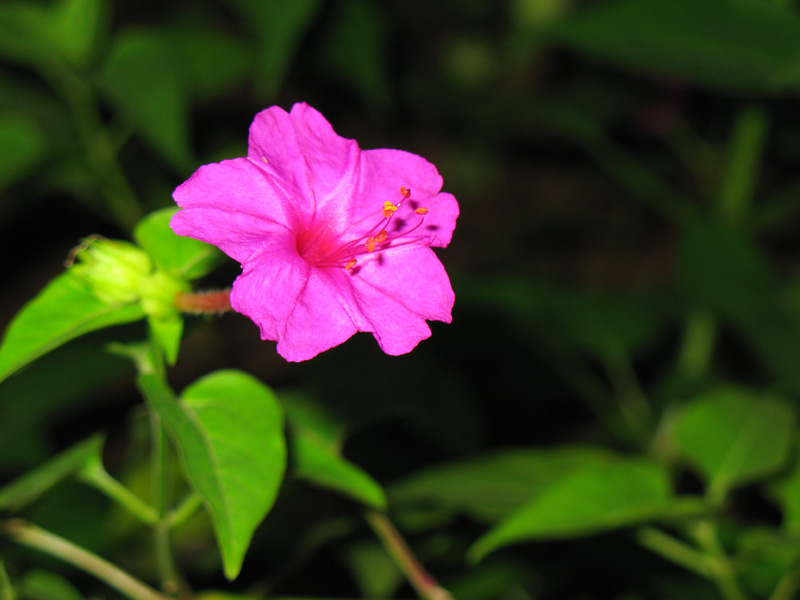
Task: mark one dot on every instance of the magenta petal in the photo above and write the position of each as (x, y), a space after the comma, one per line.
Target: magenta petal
(293, 303)
(233, 205)
(384, 172)
(302, 149)
(398, 292)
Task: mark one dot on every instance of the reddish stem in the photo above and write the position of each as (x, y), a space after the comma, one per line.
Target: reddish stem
(204, 302)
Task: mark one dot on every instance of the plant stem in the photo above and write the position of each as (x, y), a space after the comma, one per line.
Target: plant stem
(34, 537)
(168, 572)
(94, 474)
(723, 573)
(117, 194)
(6, 589)
(204, 302)
(743, 161)
(698, 344)
(675, 550)
(425, 585)
(184, 510)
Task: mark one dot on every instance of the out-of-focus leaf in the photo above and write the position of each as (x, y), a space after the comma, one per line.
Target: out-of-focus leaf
(356, 50)
(29, 487)
(214, 62)
(768, 554)
(175, 254)
(316, 452)
(62, 29)
(734, 436)
(587, 501)
(278, 28)
(43, 585)
(373, 570)
(23, 144)
(730, 45)
(65, 309)
(787, 491)
(489, 487)
(228, 427)
(319, 463)
(143, 78)
(35, 396)
(724, 271)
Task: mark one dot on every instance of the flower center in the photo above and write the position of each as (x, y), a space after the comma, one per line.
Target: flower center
(318, 251)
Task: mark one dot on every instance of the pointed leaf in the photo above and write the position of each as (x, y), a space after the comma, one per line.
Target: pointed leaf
(489, 487)
(588, 501)
(317, 437)
(175, 254)
(734, 436)
(62, 311)
(318, 463)
(27, 488)
(228, 428)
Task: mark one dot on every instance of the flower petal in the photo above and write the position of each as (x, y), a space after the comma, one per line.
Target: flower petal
(397, 291)
(234, 205)
(293, 303)
(384, 172)
(302, 149)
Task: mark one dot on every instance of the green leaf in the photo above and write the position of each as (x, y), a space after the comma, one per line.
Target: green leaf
(62, 311)
(143, 78)
(214, 62)
(375, 573)
(320, 464)
(489, 487)
(43, 585)
(316, 442)
(23, 143)
(228, 428)
(278, 28)
(730, 45)
(734, 436)
(175, 254)
(29, 487)
(787, 491)
(587, 501)
(61, 29)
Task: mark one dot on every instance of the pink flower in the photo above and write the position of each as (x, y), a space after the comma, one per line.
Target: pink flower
(332, 239)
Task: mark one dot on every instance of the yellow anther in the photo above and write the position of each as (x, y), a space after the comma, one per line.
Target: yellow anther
(370, 244)
(388, 209)
(421, 210)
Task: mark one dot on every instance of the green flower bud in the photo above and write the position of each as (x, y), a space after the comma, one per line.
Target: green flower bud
(114, 270)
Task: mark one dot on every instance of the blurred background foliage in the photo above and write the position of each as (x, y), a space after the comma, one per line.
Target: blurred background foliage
(626, 273)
